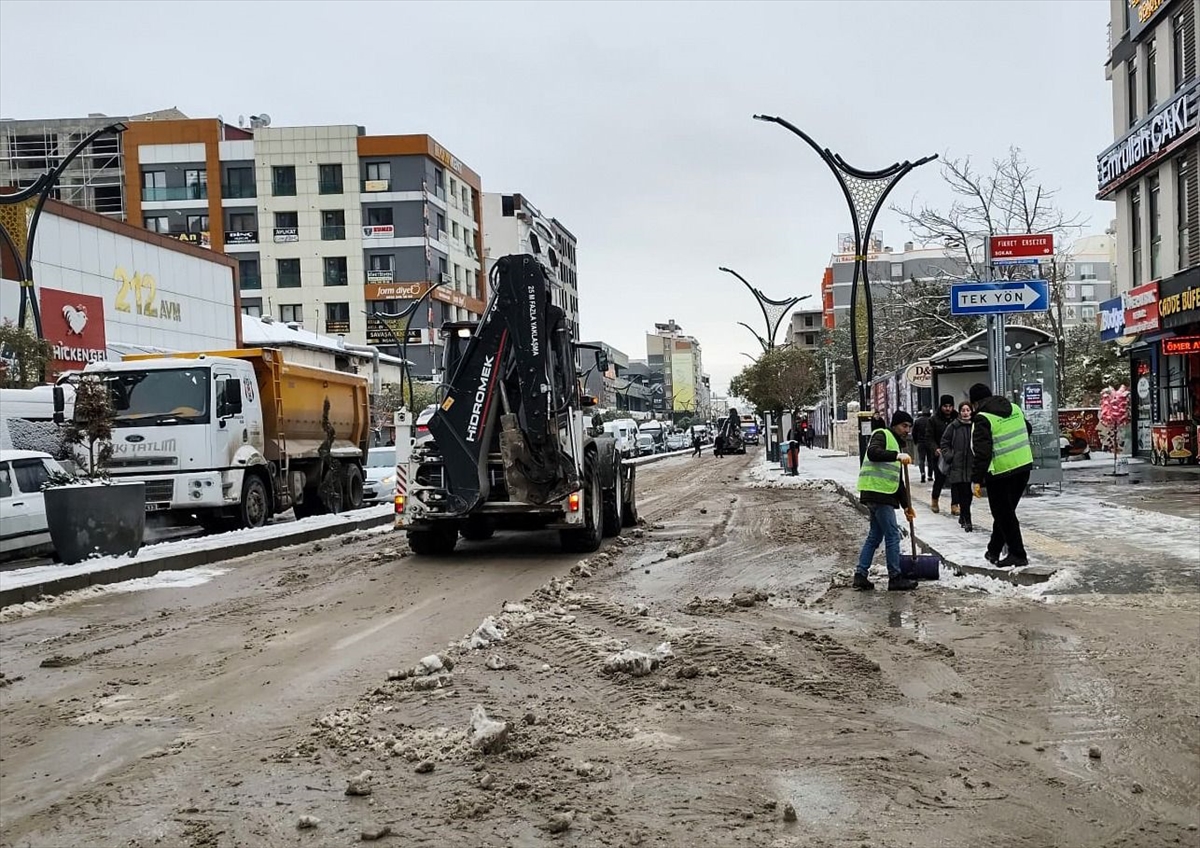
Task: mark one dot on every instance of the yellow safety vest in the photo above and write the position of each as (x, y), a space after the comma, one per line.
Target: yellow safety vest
(882, 477)
(1010, 442)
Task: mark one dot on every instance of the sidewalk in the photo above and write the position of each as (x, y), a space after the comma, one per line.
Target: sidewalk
(1090, 543)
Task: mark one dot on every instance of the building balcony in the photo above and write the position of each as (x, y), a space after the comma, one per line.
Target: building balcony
(166, 193)
(250, 281)
(330, 187)
(333, 232)
(238, 192)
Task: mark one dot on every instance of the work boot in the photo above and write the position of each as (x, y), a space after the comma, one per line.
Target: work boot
(861, 582)
(1011, 561)
(922, 478)
(901, 584)
(994, 559)
(954, 509)
(967, 527)
(933, 505)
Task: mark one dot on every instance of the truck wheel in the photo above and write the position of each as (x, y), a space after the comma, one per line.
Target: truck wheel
(312, 505)
(436, 542)
(629, 515)
(352, 488)
(477, 530)
(255, 507)
(614, 505)
(586, 539)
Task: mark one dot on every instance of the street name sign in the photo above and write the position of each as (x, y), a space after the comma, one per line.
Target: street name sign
(1021, 249)
(999, 298)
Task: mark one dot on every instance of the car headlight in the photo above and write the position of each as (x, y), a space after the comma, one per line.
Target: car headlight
(388, 481)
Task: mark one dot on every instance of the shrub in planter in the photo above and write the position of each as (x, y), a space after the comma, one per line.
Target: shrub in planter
(90, 515)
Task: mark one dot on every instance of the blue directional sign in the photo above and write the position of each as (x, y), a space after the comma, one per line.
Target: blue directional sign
(998, 298)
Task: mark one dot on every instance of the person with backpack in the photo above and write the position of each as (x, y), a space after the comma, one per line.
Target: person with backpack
(956, 459)
(920, 437)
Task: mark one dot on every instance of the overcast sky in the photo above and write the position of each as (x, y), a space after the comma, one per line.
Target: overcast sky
(628, 121)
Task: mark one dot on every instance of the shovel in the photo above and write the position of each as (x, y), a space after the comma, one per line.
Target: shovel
(917, 566)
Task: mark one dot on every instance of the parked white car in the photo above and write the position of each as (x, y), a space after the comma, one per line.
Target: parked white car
(379, 475)
(678, 441)
(22, 507)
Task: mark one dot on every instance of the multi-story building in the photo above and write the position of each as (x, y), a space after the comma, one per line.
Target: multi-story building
(509, 221)
(332, 228)
(806, 328)
(676, 358)
(94, 180)
(1150, 173)
(887, 270)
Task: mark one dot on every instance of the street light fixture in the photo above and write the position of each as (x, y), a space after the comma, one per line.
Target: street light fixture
(773, 310)
(405, 315)
(14, 230)
(865, 192)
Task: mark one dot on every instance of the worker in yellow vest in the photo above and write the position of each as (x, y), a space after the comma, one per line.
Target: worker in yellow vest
(1003, 458)
(881, 490)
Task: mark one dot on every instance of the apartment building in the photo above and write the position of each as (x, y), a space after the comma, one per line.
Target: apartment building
(806, 328)
(675, 361)
(334, 230)
(509, 221)
(1150, 173)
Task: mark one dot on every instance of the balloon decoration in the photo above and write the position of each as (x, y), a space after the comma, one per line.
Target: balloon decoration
(1114, 416)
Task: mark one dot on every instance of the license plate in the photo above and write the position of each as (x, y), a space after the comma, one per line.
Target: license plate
(157, 507)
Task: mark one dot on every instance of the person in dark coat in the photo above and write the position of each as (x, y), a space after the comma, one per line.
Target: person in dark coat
(956, 457)
(937, 428)
(920, 437)
(1002, 459)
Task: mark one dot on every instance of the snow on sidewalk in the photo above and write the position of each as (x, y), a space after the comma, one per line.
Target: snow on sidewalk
(41, 573)
(1067, 531)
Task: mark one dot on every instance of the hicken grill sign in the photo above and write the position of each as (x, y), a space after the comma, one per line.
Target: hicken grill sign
(1158, 134)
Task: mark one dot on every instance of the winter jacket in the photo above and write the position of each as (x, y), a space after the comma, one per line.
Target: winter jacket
(920, 429)
(981, 438)
(877, 452)
(956, 451)
(937, 428)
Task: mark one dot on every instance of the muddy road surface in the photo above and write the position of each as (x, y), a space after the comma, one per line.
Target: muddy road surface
(708, 679)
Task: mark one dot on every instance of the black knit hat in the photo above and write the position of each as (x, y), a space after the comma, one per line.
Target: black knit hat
(901, 417)
(978, 392)
(947, 400)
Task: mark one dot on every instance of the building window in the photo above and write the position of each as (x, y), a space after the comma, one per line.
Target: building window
(329, 179)
(466, 200)
(810, 339)
(1182, 35)
(441, 225)
(197, 223)
(1188, 226)
(439, 184)
(239, 183)
(243, 222)
(897, 271)
(1155, 226)
(379, 216)
(333, 225)
(196, 181)
(1151, 75)
(283, 181)
(157, 224)
(287, 219)
(1131, 90)
(289, 273)
(339, 312)
(379, 177)
(154, 185)
(1087, 292)
(252, 306)
(248, 276)
(335, 271)
(1087, 313)
(1087, 271)
(1135, 232)
(291, 312)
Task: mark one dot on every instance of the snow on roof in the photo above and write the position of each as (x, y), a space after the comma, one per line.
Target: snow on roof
(259, 333)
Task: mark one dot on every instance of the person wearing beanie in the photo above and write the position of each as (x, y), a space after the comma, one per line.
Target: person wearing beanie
(937, 429)
(920, 438)
(881, 490)
(1002, 459)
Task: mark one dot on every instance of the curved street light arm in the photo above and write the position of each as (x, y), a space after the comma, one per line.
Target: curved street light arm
(407, 312)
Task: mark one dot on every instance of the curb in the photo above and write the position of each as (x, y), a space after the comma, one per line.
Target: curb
(182, 561)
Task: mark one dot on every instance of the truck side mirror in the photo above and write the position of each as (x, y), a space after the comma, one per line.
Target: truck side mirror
(601, 361)
(60, 405)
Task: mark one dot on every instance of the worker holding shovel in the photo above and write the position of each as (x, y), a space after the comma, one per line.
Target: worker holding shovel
(881, 490)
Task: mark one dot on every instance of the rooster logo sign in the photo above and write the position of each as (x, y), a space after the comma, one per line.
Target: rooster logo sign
(76, 318)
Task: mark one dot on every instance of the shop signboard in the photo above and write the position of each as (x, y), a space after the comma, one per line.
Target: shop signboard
(1141, 309)
(1181, 346)
(1179, 300)
(1162, 132)
(919, 374)
(395, 291)
(378, 231)
(285, 235)
(73, 324)
(379, 275)
(1110, 318)
(1032, 396)
(333, 327)
(241, 237)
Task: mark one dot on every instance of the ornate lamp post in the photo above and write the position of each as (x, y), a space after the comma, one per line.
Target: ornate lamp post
(773, 310)
(385, 318)
(20, 233)
(865, 192)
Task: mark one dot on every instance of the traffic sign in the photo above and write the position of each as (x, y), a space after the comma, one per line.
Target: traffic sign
(999, 298)
(1006, 248)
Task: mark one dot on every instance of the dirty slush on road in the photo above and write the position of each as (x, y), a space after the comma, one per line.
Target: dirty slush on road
(709, 679)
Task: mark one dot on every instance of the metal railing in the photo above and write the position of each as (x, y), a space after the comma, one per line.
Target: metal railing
(331, 187)
(333, 232)
(289, 281)
(161, 193)
(283, 189)
(339, 278)
(250, 281)
(238, 192)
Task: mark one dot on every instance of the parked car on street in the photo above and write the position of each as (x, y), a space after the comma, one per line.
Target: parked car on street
(22, 507)
(379, 472)
(645, 444)
(678, 441)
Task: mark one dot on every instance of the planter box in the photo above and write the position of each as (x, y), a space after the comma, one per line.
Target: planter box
(96, 519)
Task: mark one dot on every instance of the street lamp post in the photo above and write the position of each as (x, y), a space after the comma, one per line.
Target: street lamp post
(14, 229)
(406, 315)
(773, 310)
(865, 193)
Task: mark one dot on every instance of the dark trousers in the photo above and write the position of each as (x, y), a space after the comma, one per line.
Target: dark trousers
(1004, 493)
(960, 493)
(926, 461)
(939, 480)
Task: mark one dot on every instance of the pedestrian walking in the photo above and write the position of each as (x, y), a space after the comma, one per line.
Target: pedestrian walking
(920, 437)
(956, 460)
(696, 445)
(1003, 458)
(792, 444)
(937, 428)
(719, 446)
(882, 491)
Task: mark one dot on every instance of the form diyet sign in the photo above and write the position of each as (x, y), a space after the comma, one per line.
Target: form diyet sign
(999, 298)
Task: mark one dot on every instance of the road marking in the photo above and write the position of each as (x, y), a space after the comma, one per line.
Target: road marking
(387, 622)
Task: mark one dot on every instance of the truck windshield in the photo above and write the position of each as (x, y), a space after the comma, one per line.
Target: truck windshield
(176, 396)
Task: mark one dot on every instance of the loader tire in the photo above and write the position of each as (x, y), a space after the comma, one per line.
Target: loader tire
(629, 515)
(614, 505)
(435, 542)
(477, 530)
(586, 539)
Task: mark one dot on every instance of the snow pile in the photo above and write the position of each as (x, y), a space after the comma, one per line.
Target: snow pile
(638, 663)
(487, 735)
(485, 634)
(186, 579)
